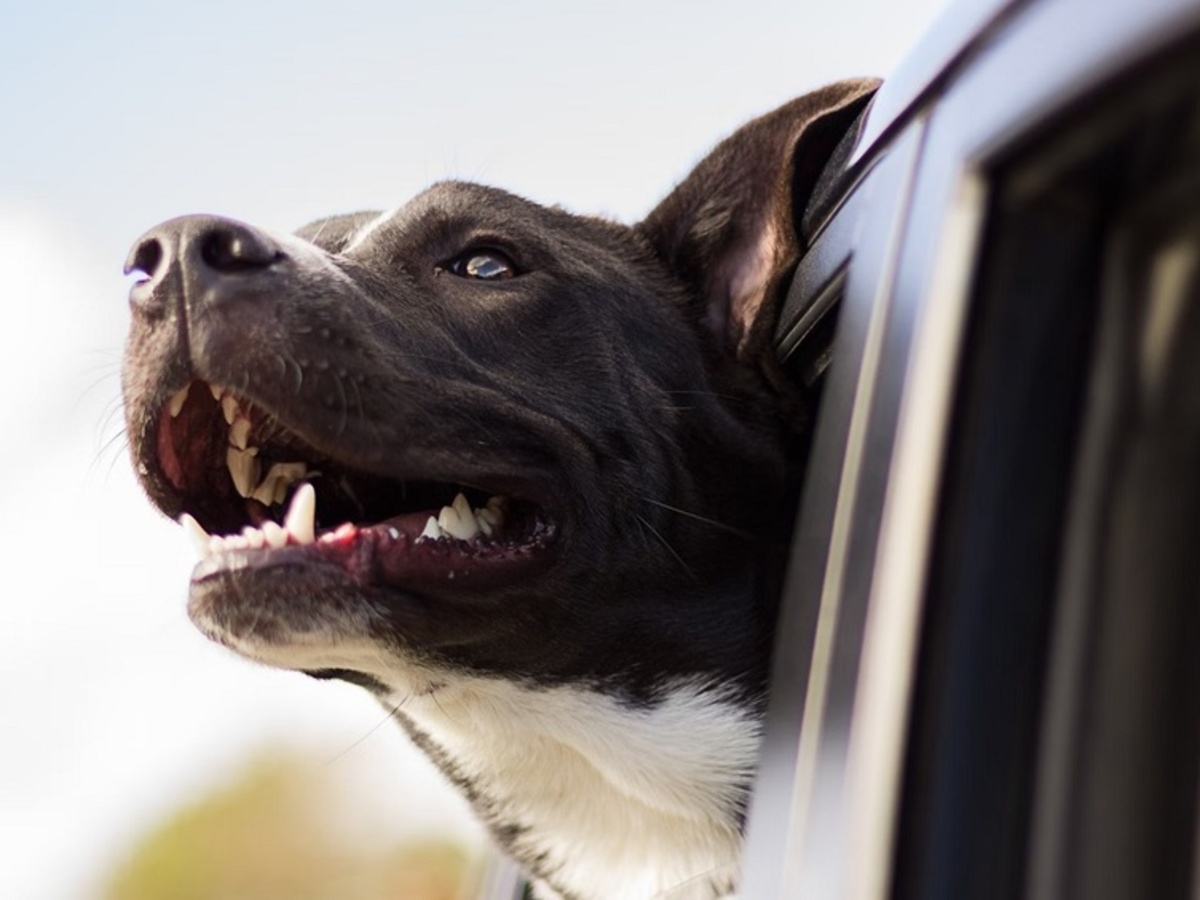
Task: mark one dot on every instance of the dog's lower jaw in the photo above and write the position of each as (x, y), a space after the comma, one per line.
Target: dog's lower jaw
(596, 796)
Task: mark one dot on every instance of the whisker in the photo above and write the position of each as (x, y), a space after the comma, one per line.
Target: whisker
(746, 535)
(689, 882)
(670, 549)
(120, 437)
(438, 703)
(117, 455)
(391, 714)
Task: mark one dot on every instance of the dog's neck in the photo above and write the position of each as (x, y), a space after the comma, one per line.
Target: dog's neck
(611, 798)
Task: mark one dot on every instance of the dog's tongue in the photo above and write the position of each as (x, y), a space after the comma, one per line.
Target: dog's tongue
(459, 547)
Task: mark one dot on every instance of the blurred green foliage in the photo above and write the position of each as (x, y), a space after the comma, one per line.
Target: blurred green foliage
(270, 835)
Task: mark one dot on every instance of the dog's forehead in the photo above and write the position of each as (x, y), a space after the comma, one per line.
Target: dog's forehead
(457, 211)
(465, 199)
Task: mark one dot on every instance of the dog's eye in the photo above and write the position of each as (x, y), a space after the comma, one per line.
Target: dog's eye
(487, 265)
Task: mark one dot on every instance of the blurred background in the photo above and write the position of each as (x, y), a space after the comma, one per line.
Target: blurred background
(136, 759)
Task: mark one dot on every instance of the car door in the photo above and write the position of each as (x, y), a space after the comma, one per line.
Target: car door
(987, 679)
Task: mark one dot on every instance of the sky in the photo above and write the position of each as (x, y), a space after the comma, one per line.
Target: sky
(117, 115)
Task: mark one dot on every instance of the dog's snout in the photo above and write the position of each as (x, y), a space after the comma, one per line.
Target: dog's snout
(201, 255)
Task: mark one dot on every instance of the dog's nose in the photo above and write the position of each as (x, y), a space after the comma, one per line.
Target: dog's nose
(201, 254)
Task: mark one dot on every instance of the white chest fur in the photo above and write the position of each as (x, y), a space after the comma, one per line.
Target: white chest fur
(616, 801)
(623, 802)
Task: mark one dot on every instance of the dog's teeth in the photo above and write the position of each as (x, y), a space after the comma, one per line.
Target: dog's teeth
(254, 537)
(230, 407)
(244, 468)
(491, 517)
(217, 391)
(175, 404)
(458, 520)
(264, 493)
(448, 520)
(196, 534)
(239, 433)
(433, 531)
(300, 520)
(275, 535)
(279, 478)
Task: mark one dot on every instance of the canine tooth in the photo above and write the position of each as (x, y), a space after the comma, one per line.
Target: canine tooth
(254, 537)
(244, 469)
(432, 530)
(175, 404)
(196, 534)
(454, 522)
(217, 391)
(229, 406)
(301, 517)
(239, 432)
(275, 535)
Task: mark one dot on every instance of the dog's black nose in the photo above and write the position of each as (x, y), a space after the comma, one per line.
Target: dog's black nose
(199, 254)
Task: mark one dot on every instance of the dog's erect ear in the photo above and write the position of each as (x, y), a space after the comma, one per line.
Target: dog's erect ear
(729, 229)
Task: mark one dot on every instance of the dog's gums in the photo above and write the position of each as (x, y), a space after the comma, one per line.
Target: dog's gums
(231, 462)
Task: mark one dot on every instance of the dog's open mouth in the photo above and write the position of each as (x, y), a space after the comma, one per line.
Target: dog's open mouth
(256, 495)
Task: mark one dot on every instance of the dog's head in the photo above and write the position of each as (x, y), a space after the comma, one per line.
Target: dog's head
(477, 434)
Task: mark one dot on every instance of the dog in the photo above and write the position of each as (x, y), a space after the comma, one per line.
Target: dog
(527, 476)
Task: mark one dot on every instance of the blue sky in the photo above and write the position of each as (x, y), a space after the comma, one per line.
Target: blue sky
(114, 116)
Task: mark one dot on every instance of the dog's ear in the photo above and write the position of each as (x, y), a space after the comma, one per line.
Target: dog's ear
(729, 229)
